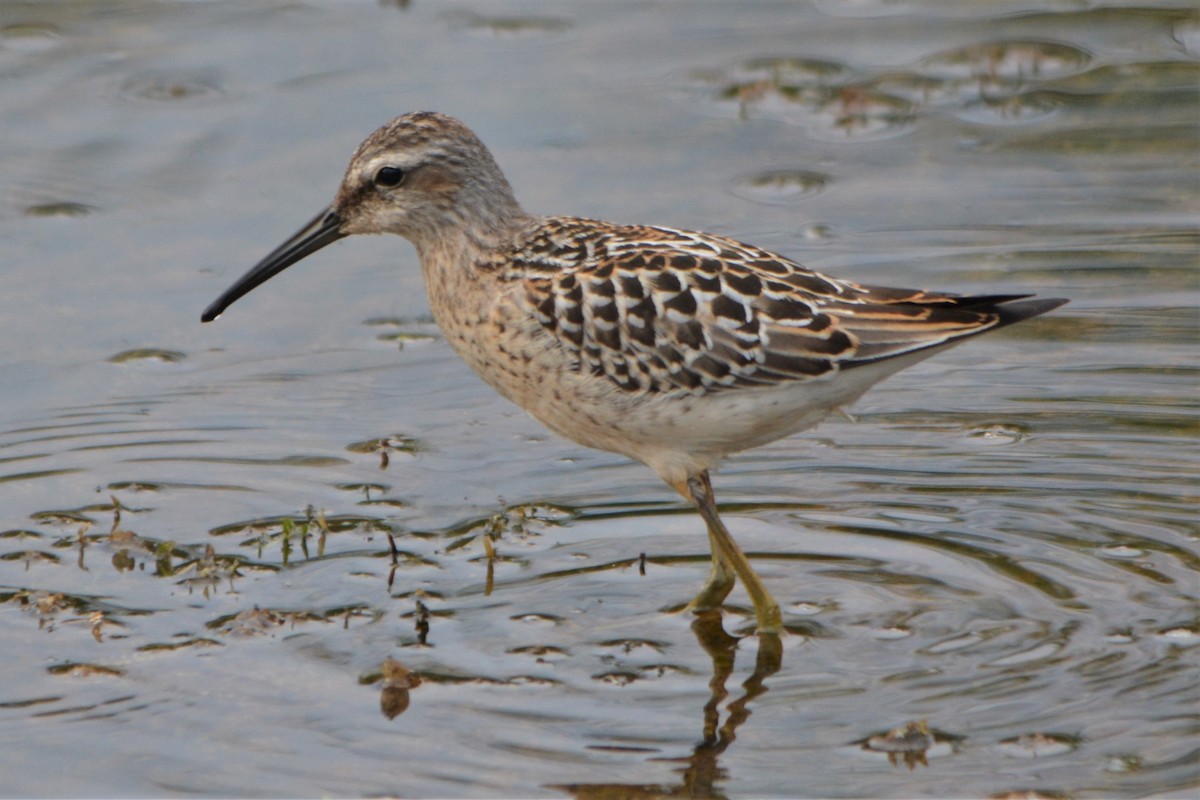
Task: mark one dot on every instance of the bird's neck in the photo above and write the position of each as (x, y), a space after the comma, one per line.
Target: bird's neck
(457, 242)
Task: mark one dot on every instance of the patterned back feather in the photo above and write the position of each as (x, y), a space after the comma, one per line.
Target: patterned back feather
(656, 309)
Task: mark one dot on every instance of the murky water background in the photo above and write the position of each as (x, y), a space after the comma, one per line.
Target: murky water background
(990, 578)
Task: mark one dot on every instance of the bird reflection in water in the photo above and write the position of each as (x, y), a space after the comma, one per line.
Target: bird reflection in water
(397, 679)
(702, 773)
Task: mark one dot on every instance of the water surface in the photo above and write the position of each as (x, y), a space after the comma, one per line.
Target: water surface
(214, 538)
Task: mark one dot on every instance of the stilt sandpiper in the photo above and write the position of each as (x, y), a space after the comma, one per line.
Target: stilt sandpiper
(672, 347)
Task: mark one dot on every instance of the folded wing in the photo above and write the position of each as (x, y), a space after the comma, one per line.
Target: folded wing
(656, 310)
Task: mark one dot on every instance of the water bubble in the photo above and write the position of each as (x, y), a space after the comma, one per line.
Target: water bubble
(29, 37)
(954, 643)
(78, 670)
(171, 88)
(1038, 745)
(780, 186)
(999, 433)
(1123, 764)
(514, 27)
(537, 619)
(806, 609)
(617, 678)
(892, 632)
(147, 354)
(1182, 635)
(1122, 551)
(59, 209)
(1007, 61)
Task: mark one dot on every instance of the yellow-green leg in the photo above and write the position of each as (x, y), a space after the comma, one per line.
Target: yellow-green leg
(728, 561)
(720, 580)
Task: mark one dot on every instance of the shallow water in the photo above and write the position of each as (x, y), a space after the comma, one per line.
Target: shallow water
(990, 578)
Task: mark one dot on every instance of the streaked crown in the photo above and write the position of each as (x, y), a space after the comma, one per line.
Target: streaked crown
(425, 176)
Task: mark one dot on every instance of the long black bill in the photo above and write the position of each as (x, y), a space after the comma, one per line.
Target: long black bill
(322, 230)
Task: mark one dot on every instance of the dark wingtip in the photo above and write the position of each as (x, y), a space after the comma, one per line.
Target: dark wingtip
(1011, 311)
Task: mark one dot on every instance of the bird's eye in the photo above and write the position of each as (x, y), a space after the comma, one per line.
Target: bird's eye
(389, 177)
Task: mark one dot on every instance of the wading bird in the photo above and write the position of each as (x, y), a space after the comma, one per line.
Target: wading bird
(672, 347)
